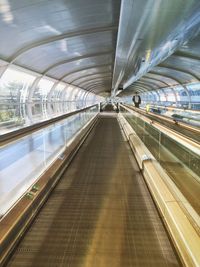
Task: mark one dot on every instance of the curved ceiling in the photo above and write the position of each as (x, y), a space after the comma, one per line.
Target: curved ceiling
(173, 62)
(79, 43)
(60, 38)
(149, 33)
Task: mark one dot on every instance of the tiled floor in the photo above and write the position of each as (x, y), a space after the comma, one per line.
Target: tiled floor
(100, 214)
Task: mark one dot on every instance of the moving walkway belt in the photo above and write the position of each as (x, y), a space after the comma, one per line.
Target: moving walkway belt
(100, 213)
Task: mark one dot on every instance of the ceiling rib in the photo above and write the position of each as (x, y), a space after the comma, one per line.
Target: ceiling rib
(187, 55)
(153, 82)
(99, 83)
(93, 79)
(177, 80)
(88, 75)
(77, 58)
(156, 79)
(150, 85)
(59, 37)
(179, 69)
(85, 68)
(167, 76)
(141, 87)
(153, 79)
(85, 85)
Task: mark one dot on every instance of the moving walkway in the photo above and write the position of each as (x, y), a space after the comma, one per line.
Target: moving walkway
(94, 205)
(100, 213)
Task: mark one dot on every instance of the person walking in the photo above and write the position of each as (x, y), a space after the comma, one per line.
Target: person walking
(137, 100)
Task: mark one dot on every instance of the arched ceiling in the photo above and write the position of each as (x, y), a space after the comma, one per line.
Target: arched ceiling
(157, 40)
(61, 39)
(82, 42)
(180, 68)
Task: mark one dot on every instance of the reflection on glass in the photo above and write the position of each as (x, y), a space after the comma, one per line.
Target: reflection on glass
(181, 164)
(23, 161)
(14, 88)
(25, 100)
(187, 96)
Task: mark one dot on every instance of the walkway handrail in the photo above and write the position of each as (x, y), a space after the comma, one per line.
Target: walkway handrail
(16, 134)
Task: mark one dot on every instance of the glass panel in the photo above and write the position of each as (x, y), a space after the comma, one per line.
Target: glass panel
(33, 154)
(57, 100)
(194, 91)
(181, 164)
(162, 96)
(14, 89)
(170, 95)
(182, 97)
(39, 99)
(20, 106)
(42, 90)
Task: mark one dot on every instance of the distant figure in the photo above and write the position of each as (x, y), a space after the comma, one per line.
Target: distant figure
(137, 100)
(147, 108)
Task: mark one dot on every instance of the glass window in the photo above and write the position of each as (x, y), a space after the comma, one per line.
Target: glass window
(14, 89)
(42, 90)
(170, 95)
(57, 99)
(14, 86)
(162, 96)
(194, 91)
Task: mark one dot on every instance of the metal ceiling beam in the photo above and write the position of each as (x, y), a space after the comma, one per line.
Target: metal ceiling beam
(85, 68)
(149, 78)
(97, 89)
(77, 58)
(176, 80)
(105, 83)
(152, 84)
(167, 76)
(85, 85)
(102, 78)
(162, 65)
(138, 86)
(167, 86)
(58, 38)
(160, 75)
(186, 55)
(91, 74)
(156, 79)
(152, 87)
(99, 83)
(148, 91)
(141, 88)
